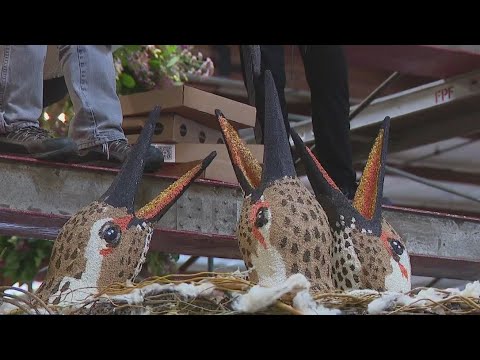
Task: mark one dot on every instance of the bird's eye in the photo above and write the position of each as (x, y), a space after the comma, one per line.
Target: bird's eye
(397, 247)
(111, 233)
(261, 218)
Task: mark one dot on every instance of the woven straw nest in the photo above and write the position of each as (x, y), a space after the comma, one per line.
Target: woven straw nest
(229, 294)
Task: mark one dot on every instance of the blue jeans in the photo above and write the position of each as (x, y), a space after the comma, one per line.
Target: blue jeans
(90, 77)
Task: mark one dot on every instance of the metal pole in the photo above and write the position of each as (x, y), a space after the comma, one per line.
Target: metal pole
(429, 183)
(441, 151)
(210, 264)
(373, 95)
(191, 260)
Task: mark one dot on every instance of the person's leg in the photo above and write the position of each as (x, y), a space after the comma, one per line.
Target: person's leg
(327, 75)
(21, 85)
(273, 59)
(90, 77)
(247, 63)
(21, 97)
(97, 125)
(223, 61)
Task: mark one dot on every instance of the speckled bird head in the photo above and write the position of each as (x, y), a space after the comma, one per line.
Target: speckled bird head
(282, 228)
(106, 241)
(367, 251)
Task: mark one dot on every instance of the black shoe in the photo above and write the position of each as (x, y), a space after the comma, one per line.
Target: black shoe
(38, 143)
(117, 151)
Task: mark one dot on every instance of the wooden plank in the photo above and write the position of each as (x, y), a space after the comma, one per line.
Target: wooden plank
(437, 62)
(423, 115)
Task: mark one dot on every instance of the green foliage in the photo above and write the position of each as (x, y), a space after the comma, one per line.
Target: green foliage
(20, 259)
(144, 67)
(50, 119)
(127, 81)
(158, 263)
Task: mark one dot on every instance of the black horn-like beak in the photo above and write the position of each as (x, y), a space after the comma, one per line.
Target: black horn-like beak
(322, 184)
(277, 159)
(123, 189)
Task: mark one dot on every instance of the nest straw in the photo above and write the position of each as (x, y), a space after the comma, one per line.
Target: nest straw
(219, 301)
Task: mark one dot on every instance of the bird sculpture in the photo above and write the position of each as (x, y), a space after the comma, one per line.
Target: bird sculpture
(106, 242)
(282, 229)
(367, 251)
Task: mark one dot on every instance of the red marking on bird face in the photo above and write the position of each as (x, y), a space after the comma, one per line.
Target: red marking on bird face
(385, 237)
(255, 221)
(105, 252)
(404, 271)
(123, 221)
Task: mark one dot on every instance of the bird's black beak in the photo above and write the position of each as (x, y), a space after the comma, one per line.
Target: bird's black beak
(277, 158)
(121, 194)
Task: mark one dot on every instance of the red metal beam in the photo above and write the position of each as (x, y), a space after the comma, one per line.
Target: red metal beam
(32, 224)
(444, 267)
(439, 174)
(430, 213)
(463, 213)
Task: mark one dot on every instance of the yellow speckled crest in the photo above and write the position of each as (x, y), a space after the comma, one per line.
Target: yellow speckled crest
(247, 169)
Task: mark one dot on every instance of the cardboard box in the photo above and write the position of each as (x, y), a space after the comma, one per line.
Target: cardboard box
(191, 103)
(182, 153)
(173, 128)
(185, 156)
(221, 170)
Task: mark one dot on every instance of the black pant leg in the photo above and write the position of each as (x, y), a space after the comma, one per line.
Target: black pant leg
(273, 59)
(327, 75)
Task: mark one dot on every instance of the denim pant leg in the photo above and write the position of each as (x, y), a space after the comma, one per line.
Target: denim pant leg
(21, 85)
(90, 77)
